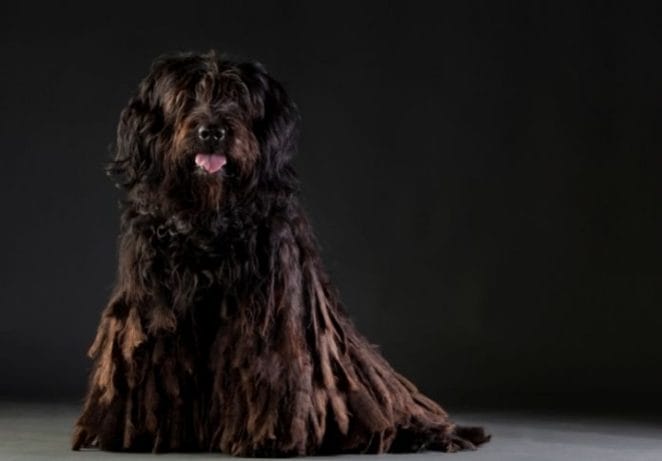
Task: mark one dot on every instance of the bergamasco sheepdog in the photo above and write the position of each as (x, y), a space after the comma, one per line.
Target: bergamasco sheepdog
(223, 332)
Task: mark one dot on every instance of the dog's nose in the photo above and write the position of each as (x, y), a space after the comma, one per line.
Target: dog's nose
(211, 133)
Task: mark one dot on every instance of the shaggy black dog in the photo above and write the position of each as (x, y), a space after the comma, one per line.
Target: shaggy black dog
(223, 332)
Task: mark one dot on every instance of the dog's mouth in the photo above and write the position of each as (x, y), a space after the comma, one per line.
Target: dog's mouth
(211, 163)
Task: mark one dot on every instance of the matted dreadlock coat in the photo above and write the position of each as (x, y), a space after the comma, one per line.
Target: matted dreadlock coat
(223, 332)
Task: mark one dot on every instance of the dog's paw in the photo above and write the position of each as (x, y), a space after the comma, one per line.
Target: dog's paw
(461, 438)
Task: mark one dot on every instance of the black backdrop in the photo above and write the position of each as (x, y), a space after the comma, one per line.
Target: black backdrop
(483, 178)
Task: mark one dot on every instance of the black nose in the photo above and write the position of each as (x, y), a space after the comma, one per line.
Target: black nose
(211, 133)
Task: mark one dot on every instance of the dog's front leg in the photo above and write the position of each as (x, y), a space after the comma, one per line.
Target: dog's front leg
(142, 379)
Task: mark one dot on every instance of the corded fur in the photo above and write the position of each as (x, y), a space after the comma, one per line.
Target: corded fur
(223, 332)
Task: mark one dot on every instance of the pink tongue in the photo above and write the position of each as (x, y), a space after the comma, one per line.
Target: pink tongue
(210, 162)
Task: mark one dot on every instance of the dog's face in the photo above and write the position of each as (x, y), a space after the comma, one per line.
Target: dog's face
(202, 130)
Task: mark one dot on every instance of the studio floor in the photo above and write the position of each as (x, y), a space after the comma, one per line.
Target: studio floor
(41, 432)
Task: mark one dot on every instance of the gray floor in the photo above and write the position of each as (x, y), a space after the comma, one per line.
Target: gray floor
(41, 432)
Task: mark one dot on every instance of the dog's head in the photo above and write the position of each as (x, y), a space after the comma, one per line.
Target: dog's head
(201, 130)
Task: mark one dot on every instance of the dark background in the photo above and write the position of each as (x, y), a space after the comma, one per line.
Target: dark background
(484, 178)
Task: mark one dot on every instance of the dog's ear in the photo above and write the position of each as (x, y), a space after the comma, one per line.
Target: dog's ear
(275, 116)
(135, 149)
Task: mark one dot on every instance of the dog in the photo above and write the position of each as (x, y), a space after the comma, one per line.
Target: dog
(223, 331)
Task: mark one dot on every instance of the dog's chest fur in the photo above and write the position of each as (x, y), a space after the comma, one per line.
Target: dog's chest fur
(201, 269)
